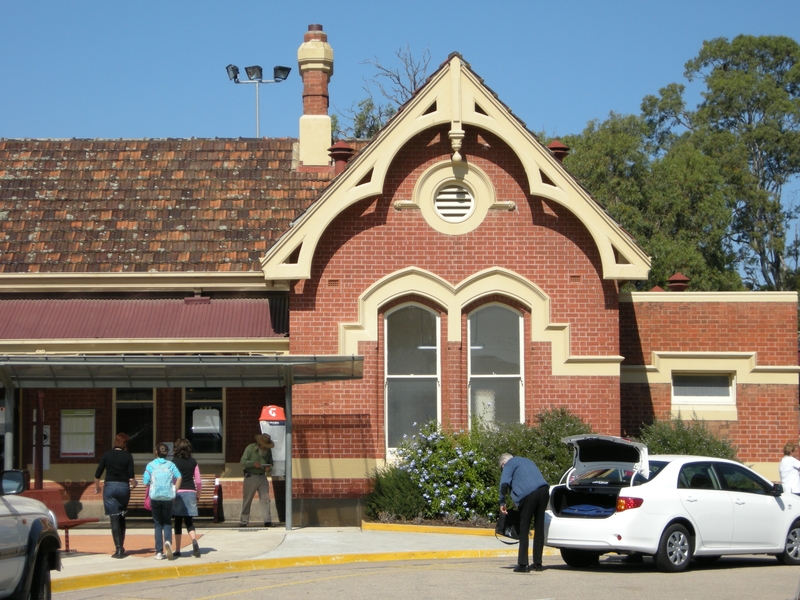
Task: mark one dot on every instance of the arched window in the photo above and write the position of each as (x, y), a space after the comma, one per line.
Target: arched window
(495, 365)
(412, 371)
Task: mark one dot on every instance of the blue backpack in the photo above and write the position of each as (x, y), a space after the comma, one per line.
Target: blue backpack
(161, 479)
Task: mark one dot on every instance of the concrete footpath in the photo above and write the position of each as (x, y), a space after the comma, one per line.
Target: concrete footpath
(227, 549)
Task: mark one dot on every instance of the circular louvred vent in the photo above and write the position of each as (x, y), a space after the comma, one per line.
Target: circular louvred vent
(454, 203)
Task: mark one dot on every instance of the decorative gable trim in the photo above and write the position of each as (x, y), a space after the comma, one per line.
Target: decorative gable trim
(453, 96)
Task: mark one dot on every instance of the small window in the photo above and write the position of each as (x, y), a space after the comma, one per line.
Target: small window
(702, 389)
(77, 432)
(203, 410)
(454, 203)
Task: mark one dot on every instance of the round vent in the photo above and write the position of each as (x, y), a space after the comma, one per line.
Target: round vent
(454, 203)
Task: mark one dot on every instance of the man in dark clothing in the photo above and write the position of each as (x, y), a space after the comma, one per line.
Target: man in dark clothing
(530, 493)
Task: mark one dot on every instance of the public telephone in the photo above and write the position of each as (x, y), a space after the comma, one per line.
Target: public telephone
(273, 422)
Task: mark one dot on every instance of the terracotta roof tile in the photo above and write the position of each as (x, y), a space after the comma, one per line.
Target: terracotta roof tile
(143, 205)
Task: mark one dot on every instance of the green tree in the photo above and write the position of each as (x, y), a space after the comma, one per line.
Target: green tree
(749, 123)
(672, 202)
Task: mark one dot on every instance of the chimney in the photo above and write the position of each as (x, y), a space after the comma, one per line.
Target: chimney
(678, 283)
(559, 150)
(315, 59)
(341, 154)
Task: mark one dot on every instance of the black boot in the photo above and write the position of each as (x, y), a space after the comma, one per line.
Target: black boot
(116, 534)
(122, 527)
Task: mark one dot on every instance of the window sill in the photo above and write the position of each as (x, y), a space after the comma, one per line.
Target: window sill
(706, 412)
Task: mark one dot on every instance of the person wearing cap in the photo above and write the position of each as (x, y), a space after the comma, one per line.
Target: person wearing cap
(257, 464)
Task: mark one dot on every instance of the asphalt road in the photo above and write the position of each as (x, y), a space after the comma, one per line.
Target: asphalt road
(736, 578)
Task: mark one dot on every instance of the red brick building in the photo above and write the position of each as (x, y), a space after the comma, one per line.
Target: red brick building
(453, 259)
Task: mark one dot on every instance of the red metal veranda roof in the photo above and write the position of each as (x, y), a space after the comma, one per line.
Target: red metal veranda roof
(136, 319)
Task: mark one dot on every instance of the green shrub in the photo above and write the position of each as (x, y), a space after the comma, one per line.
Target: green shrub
(395, 494)
(551, 455)
(677, 437)
(448, 475)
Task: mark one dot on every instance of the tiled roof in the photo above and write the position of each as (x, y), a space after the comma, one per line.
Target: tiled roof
(104, 206)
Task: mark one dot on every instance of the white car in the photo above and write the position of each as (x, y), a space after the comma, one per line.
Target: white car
(617, 499)
(29, 542)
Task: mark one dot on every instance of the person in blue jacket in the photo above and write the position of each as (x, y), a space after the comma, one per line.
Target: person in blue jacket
(530, 493)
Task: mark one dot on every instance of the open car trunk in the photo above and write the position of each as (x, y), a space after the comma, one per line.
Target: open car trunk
(589, 503)
(602, 467)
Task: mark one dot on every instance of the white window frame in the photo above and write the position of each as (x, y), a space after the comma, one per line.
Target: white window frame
(689, 401)
(115, 428)
(521, 375)
(223, 416)
(391, 450)
(85, 419)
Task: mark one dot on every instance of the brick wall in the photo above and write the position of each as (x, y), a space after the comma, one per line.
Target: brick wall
(540, 240)
(767, 415)
(770, 328)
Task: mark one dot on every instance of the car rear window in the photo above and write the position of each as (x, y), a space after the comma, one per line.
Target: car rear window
(616, 477)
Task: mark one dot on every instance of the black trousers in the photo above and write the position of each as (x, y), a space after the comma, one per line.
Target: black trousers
(532, 505)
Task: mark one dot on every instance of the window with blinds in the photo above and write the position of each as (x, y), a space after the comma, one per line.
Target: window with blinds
(77, 432)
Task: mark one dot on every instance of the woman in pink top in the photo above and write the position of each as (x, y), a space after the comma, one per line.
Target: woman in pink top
(184, 508)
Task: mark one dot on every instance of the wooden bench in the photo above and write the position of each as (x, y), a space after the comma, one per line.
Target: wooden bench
(52, 499)
(209, 498)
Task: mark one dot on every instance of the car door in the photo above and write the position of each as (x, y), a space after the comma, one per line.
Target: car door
(708, 505)
(11, 555)
(758, 515)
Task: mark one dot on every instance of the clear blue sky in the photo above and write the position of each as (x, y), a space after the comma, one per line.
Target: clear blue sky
(156, 69)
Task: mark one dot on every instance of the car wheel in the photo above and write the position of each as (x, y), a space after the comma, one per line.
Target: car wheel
(579, 559)
(791, 554)
(674, 549)
(41, 589)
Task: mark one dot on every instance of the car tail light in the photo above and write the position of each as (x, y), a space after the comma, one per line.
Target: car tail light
(624, 503)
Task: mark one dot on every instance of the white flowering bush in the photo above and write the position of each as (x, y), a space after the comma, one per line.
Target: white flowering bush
(454, 476)
(454, 479)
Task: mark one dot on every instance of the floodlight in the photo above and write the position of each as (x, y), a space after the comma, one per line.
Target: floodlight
(280, 73)
(254, 73)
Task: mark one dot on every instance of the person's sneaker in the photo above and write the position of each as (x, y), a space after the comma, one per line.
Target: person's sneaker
(537, 568)
(168, 550)
(195, 549)
(521, 569)
(177, 554)
(159, 556)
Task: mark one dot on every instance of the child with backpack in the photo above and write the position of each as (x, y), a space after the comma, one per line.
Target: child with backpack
(162, 478)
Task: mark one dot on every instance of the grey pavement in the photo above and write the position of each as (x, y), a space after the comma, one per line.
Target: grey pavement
(228, 549)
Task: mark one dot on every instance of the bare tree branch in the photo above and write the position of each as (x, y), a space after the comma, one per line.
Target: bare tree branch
(398, 84)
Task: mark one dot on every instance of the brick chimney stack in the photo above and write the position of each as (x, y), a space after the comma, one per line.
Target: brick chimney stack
(315, 59)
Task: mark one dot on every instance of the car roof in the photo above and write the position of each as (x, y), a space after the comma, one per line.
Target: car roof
(690, 458)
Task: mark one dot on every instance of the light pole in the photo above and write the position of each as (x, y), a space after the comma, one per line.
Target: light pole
(255, 75)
